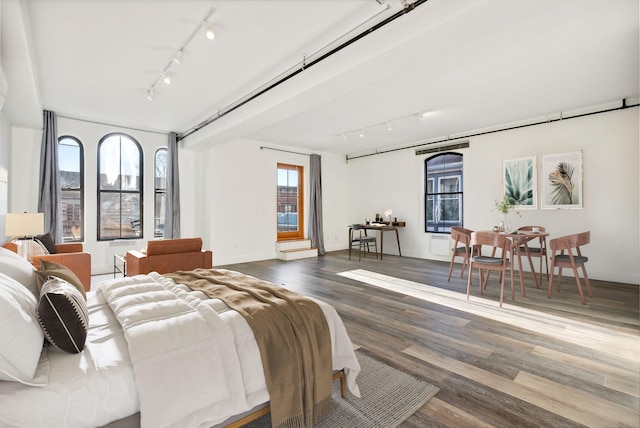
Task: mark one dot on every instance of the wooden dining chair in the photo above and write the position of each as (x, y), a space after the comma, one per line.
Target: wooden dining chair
(540, 251)
(499, 247)
(461, 248)
(359, 237)
(559, 259)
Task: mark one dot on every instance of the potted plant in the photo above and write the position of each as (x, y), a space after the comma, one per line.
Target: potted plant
(504, 206)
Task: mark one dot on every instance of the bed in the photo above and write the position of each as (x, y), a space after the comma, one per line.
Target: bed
(210, 364)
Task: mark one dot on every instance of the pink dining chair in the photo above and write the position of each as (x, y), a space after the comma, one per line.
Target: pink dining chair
(559, 259)
(461, 248)
(497, 244)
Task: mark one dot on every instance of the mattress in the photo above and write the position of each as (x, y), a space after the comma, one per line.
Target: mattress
(97, 387)
(91, 388)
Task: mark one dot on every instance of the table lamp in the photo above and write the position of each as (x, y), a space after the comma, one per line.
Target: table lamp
(23, 227)
(388, 214)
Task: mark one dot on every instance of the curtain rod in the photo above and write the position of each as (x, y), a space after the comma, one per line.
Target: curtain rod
(624, 106)
(286, 151)
(111, 124)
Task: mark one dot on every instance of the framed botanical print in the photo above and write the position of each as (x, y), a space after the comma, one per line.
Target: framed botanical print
(520, 182)
(562, 181)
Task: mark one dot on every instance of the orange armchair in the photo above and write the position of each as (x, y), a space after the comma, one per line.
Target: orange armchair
(70, 255)
(169, 255)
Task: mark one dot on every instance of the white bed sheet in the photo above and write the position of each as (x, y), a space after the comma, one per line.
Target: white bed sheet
(91, 388)
(97, 386)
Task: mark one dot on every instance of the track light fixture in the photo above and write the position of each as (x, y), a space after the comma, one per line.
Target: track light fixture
(207, 30)
(422, 114)
(176, 59)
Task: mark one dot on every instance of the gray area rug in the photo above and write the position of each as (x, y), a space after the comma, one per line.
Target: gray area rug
(389, 396)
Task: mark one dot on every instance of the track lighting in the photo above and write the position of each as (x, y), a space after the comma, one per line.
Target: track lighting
(208, 31)
(165, 76)
(177, 59)
(387, 123)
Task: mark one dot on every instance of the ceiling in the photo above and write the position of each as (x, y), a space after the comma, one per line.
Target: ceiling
(473, 64)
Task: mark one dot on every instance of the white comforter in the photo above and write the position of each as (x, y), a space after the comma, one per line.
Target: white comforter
(195, 361)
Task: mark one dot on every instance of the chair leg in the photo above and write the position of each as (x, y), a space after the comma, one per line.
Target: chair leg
(502, 288)
(575, 273)
(559, 278)
(453, 256)
(469, 281)
(586, 280)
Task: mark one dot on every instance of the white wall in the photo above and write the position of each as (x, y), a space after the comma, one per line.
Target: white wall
(228, 192)
(23, 182)
(238, 199)
(609, 142)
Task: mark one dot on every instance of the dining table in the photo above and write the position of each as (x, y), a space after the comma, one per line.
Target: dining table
(519, 239)
(381, 228)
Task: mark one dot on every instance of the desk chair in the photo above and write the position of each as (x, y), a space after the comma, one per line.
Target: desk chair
(570, 260)
(540, 251)
(359, 237)
(496, 243)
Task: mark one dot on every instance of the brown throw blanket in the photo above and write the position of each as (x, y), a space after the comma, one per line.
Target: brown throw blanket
(292, 335)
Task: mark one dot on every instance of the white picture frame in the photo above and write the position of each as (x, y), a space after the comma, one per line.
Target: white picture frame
(562, 181)
(520, 182)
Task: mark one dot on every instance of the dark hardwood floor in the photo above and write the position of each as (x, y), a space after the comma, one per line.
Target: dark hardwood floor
(534, 362)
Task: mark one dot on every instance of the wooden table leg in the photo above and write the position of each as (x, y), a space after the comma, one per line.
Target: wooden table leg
(398, 239)
(381, 242)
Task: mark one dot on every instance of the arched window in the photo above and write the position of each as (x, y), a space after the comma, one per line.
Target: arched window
(160, 191)
(119, 188)
(443, 192)
(71, 166)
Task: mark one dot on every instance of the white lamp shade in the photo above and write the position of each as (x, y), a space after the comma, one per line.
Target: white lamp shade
(388, 213)
(24, 224)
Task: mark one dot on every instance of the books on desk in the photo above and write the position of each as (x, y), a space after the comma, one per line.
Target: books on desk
(378, 224)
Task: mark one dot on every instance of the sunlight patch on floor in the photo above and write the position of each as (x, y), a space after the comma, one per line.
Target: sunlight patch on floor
(598, 338)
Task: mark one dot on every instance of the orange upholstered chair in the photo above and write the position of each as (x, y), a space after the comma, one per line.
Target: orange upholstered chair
(70, 255)
(169, 255)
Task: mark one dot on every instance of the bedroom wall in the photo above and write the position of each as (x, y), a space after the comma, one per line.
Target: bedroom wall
(609, 142)
(239, 199)
(25, 174)
(228, 191)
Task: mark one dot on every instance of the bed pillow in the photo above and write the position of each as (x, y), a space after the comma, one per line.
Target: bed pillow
(48, 242)
(63, 315)
(21, 337)
(20, 269)
(49, 269)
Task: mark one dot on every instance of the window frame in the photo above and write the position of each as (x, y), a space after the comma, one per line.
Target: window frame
(80, 189)
(139, 192)
(437, 178)
(299, 233)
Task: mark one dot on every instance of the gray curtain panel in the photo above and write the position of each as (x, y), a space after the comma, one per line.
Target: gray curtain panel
(172, 203)
(49, 184)
(315, 205)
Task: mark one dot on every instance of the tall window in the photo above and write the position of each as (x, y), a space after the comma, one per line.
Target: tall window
(160, 191)
(290, 202)
(71, 166)
(443, 192)
(119, 188)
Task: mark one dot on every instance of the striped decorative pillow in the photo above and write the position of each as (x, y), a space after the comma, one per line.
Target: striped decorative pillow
(63, 315)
